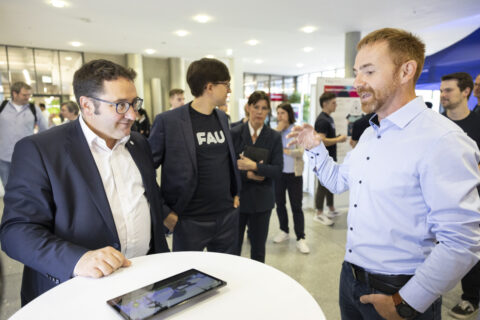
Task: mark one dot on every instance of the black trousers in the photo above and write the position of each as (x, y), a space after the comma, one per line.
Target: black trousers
(471, 285)
(294, 185)
(258, 223)
(321, 194)
(218, 234)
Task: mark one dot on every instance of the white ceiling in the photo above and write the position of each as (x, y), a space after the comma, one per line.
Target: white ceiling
(126, 26)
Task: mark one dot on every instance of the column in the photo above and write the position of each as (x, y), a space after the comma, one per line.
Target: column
(351, 40)
(135, 61)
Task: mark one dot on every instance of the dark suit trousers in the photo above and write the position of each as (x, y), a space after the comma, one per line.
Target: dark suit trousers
(218, 234)
(258, 223)
(294, 185)
(323, 192)
(471, 285)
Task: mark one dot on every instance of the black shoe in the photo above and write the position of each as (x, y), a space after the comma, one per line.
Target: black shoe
(463, 310)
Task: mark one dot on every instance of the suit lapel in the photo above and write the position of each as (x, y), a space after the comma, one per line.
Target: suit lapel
(186, 125)
(79, 152)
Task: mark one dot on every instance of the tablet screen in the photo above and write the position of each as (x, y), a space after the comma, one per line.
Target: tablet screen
(164, 294)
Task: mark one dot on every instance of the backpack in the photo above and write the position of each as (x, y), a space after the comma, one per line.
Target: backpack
(30, 105)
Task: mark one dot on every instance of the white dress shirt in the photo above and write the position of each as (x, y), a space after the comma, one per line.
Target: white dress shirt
(252, 131)
(125, 192)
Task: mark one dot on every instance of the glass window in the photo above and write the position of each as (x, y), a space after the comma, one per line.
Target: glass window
(263, 83)
(289, 86)
(69, 63)
(20, 62)
(48, 71)
(4, 83)
(328, 74)
(249, 84)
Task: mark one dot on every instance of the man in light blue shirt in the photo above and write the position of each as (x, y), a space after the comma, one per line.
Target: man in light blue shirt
(16, 122)
(413, 218)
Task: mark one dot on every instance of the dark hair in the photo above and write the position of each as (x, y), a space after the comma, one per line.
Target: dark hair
(204, 71)
(41, 105)
(18, 86)
(88, 80)
(71, 106)
(326, 96)
(288, 108)
(464, 80)
(257, 96)
(403, 45)
(174, 92)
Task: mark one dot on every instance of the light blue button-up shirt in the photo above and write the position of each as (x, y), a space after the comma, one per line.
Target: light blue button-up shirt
(288, 161)
(412, 182)
(16, 125)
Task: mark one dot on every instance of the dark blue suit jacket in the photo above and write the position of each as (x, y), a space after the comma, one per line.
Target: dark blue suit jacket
(259, 196)
(56, 208)
(173, 147)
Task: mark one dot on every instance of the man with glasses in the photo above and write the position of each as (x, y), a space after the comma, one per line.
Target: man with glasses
(82, 197)
(18, 118)
(200, 182)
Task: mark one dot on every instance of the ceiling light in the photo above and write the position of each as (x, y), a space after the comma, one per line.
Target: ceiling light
(253, 42)
(309, 29)
(28, 80)
(68, 58)
(307, 49)
(58, 3)
(299, 65)
(258, 61)
(150, 51)
(210, 56)
(181, 33)
(75, 44)
(229, 52)
(202, 18)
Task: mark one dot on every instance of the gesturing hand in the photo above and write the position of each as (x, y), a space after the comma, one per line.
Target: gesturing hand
(383, 304)
(304, 136)
(99, 263)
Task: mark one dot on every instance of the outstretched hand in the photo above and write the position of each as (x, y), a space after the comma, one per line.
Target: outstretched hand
(305, 136)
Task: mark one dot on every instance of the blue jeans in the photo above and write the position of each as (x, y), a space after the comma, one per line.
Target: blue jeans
(4, 170)
(352, 309)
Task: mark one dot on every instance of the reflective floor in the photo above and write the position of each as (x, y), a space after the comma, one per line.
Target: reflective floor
(318, 271)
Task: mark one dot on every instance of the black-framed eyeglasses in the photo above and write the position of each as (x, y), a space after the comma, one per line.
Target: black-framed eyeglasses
(123, 106)
(225, 83)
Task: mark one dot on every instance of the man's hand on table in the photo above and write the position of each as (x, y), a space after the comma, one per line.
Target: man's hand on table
(100, 263)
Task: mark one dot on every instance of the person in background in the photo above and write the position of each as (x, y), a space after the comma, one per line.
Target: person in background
(325, 125)
(412, 228)
(244, 119)
(69, 111)
(360, 125)
(258, 176)
(18, 118)
(291, 180)
(82, 197)
(455, 90)
(476, 93)
(142, 123)
(176, 98)
(44, 110)
(224, 108)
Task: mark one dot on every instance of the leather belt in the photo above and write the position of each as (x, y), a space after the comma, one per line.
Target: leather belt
(388, 284)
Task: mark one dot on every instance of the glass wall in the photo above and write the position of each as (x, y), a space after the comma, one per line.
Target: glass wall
(49, 72)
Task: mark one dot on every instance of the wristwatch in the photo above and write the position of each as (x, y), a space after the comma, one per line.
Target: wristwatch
(403, 309)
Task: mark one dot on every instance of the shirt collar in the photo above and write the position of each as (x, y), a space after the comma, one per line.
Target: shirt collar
(403, 116)
(92, 137)
(252, 131)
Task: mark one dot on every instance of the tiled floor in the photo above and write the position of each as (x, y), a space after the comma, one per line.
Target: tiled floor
(318, 271)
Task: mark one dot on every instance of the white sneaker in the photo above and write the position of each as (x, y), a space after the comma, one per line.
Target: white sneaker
(323, 219)
(333, 214)
(281, 236)
(302, 246)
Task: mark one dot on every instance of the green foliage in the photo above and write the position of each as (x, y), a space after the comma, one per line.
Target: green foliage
(294, 97)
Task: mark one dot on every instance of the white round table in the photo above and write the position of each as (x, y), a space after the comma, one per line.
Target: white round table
(253, 291)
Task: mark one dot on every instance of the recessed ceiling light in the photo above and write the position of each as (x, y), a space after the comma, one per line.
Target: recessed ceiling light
(68, 58)
(309, 29)
(58, 3)
(253, 42)
(299, 65)
(258, 61)
(75, 44)
(150, 51)
(182, 33)
(308, 49)
(202, 18)
(210, 56)
(229, 52)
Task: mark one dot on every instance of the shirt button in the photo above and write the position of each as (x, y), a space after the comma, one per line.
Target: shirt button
(311, 157)
(368, 158)
(378, 137)
(350, 250)
(351, 229)
(360, 181)
(355, 205)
